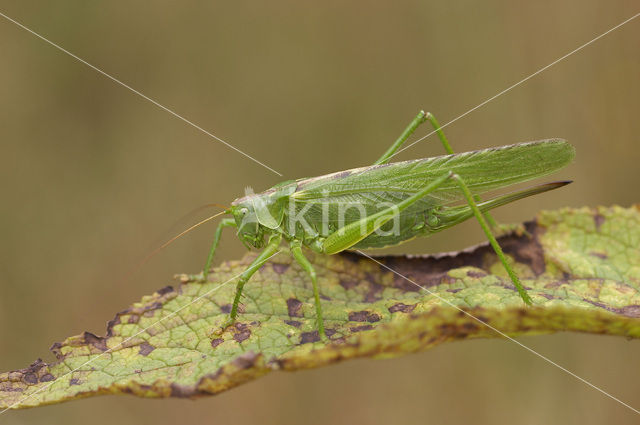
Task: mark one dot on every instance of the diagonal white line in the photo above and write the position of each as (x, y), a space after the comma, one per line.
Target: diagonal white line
(173, 313)
(114, 79)
(531, 350)
(520, 82)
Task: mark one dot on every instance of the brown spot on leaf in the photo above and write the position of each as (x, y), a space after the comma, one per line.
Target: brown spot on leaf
(182, 391)
(361, 328)
(30, 378)
(403, 308)
(47, 377)
(133, 319)
(431, 270)
(36, 366)
(280, 268)
(149, 311)
(600, 255)
(294, 306)
(630, 310)
(242, 332)
(598, 219)
(246, 360)
(469, 327)
(448, 329)
(215, 342)
(165, 290)
(146, 348)
(111, 323)
(348, 283)
(226, 308)
(56, 350)
(363, 316)
(526, 249)
(11, 389)
(306, 337)
(96, 341)
(293, 323)
(74, 381)
(373, 294)
(553, 285)
(476, 274)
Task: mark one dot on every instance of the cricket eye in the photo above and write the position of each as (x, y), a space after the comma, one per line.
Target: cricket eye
(244, 211)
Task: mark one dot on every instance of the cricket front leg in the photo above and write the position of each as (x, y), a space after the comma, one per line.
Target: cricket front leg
(492, 240)
(227, 222)
(296, 251)
(271, 249)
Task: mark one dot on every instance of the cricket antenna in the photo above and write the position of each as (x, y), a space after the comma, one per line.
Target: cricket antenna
(173, 239)
(215, 205)
(179, 223)
(181, 234)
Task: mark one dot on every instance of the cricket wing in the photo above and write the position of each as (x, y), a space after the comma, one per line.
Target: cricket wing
(483, 170)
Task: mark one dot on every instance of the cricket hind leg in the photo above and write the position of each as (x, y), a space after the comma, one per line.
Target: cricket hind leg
(447, 147)
(352, 233)
(411, 128)
(492, 240)
(270, 250)
(296, 251)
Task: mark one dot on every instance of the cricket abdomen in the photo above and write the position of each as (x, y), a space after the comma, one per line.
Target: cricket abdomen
(407, 227)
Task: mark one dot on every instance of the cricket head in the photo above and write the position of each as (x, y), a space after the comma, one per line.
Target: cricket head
(259, 214)
(250, 232)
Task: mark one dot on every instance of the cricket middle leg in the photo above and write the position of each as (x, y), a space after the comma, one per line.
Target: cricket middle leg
(296, 251)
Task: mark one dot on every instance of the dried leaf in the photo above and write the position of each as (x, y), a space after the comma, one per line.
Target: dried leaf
(581, 267)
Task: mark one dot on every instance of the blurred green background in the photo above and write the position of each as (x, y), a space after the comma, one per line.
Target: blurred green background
(93, 176)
